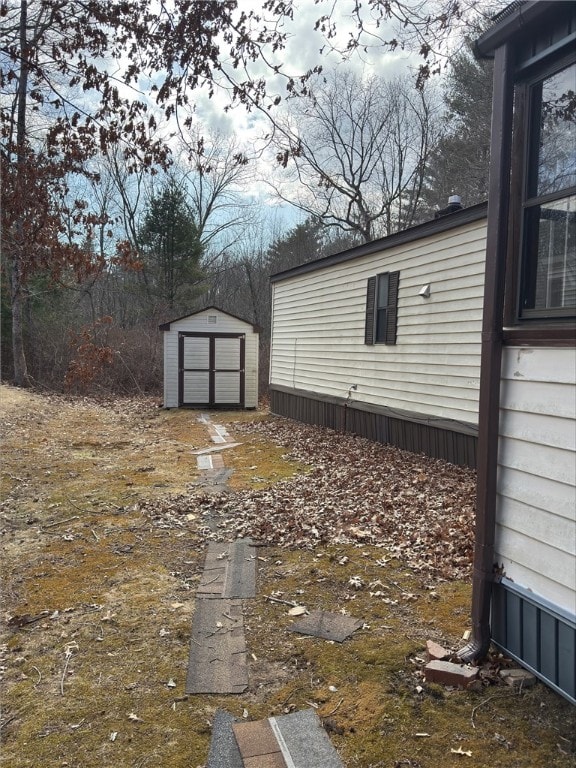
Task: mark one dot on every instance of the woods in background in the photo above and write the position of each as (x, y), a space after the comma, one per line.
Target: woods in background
(121, 211)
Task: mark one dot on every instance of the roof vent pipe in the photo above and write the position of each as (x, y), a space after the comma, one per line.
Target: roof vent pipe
(454, 204)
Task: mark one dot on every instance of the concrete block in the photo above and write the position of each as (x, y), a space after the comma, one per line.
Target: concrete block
(518, 678)
(447, 673)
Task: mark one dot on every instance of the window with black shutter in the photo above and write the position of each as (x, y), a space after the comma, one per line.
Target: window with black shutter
(382, 308)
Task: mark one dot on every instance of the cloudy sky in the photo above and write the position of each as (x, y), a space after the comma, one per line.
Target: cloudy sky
(306, 48)
(303, 51)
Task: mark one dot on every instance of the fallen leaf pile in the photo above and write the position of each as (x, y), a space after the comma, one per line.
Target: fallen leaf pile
(356, 492)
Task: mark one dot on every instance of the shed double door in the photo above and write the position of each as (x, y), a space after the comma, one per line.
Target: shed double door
(211, 369)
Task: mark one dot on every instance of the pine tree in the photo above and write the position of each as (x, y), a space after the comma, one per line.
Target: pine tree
(459, 163)
(171, 248)
(303, 243)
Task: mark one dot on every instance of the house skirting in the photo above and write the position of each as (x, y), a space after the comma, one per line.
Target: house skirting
(536, 633)
(452, 441)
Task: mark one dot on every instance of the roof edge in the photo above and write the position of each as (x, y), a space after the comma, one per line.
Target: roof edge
(510, 22)
(427, 229)
(166, 326)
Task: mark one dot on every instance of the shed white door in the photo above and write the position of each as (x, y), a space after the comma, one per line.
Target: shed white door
(211, 369)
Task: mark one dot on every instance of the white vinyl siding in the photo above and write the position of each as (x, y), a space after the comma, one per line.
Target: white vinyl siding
(170, 369)
(226, 387)
(196, 352)
(203, 322)
(196, 386)
(536, 504)
(319, 322)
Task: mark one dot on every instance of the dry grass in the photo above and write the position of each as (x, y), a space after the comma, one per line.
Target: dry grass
(97, 676)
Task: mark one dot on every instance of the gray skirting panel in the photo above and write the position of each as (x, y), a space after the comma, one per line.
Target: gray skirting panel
(438, 438)
(537, 634)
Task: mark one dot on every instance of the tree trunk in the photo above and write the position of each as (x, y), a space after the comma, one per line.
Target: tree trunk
(21, 376)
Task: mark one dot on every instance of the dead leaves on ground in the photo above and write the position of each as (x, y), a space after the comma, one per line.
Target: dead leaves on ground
(356, 492)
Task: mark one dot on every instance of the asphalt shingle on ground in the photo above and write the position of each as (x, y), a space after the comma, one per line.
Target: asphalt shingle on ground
(217, 662)
(229, 570)
(224, 752)
(256, 739)
(297, 740)
(328, 626)
(306, 740)
(241, 572)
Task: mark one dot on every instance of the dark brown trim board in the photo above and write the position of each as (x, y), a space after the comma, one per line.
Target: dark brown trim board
(444, 439)
(540, 336)
(491, 357)
(427, 229)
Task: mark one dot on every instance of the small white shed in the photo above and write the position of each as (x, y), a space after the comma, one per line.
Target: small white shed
(210, 361)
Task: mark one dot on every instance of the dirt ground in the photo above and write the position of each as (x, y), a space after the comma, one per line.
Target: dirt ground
(104, 522)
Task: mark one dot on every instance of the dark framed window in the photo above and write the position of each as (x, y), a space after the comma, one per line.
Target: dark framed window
(382, 308)
(548, 263)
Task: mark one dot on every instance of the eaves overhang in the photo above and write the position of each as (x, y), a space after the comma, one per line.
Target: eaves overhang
(511, 22)
(427, 229)
(166, 326)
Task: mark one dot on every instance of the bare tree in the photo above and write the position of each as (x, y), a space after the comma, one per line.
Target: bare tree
(436, 29)
(355, 151)
(215, 170)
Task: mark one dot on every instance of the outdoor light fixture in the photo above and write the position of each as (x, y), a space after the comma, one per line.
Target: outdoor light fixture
(425, 291)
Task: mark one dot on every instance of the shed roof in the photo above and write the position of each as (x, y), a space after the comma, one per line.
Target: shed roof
(166, 326)
(428, 228)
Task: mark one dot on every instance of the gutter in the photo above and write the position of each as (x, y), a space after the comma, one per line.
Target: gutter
(491, 355)
(509, 22)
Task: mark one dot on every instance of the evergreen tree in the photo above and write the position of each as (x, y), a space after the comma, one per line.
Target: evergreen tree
(171, 249)
(459, 163)
(305, 242)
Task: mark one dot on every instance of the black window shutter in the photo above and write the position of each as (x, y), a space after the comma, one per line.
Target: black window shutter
(370, 302)
(393, 281)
